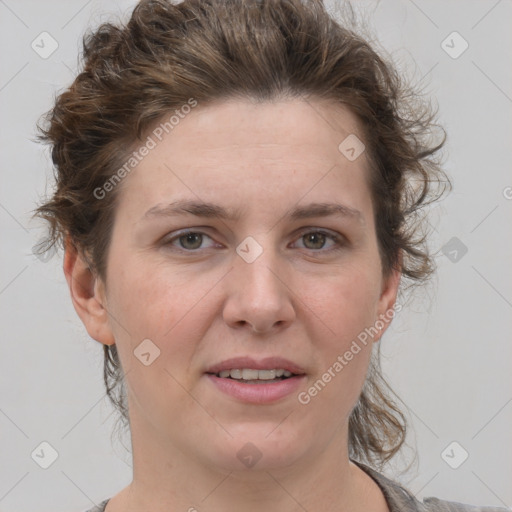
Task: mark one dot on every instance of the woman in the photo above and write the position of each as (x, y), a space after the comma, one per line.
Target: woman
(237, 191)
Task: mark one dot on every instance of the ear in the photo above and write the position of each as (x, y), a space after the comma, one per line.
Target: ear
(387, 299)
(88, 295)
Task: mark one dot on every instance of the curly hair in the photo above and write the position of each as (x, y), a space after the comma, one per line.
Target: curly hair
(209, 50)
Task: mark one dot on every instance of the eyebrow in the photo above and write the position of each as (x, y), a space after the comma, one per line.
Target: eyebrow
(210, 210)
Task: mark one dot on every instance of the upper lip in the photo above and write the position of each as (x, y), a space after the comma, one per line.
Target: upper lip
(268, 363)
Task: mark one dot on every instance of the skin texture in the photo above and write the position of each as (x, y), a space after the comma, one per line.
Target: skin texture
(299, 299)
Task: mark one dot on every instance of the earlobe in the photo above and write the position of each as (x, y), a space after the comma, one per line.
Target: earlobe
(87, 295)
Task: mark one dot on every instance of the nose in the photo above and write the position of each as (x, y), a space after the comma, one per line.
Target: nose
(258, 295)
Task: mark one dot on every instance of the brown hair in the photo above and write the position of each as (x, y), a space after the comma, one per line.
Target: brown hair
(210, 50)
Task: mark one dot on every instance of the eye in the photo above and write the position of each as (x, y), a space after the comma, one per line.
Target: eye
(188, 240)
(315, 240)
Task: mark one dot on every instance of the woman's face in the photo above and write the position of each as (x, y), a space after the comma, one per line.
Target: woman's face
(274, 278)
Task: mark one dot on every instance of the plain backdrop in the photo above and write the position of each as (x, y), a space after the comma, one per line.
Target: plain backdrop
(448, 356)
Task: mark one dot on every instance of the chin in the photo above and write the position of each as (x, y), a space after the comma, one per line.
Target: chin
(256, 448)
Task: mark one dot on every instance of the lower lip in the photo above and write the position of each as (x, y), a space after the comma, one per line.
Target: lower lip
(258, 393)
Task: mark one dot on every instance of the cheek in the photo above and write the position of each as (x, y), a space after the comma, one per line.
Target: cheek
(346, 307)
(174, 311)
(153, 302)
(346, 302)
(170, 311)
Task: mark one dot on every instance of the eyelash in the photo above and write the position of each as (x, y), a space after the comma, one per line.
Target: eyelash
(338, 240)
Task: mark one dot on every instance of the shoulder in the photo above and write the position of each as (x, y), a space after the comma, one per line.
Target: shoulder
(100, 507)
(437, 505)
(399, 499)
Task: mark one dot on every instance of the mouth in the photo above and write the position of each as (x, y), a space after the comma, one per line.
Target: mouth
(257, 381)
(254, 376)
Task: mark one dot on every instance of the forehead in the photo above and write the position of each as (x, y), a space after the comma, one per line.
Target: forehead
(240, 150)
(246, 122)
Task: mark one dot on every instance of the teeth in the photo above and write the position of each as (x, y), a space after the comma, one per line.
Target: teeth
(249, 374)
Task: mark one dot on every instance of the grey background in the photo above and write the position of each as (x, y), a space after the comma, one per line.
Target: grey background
(448, 355)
